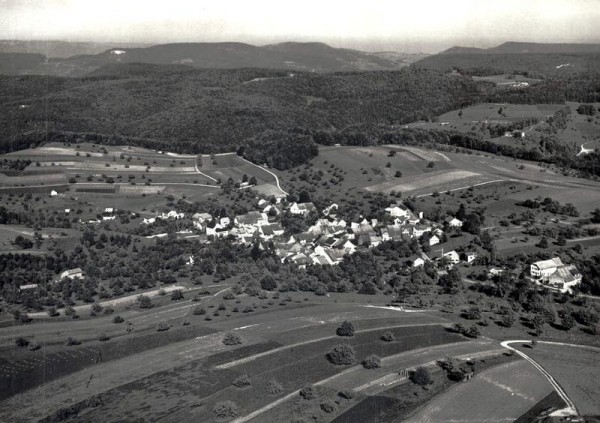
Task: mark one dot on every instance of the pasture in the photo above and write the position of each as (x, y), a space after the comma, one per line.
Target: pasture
(576, 369)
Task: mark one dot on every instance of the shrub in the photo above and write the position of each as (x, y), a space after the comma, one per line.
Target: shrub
(24, 318)
(21, 342)
(34, 346)
(225, 409)
(388, 337)
(472, 332)
(109, 310)
(327, 406)
(232, 339)
(72, 341)
(273, 388)
(342, 354)
(52, 312)
(198, 311)
(162, 326)
(308, 392)
(242, 381)
(118, 319)
(145, 301)
(103, 337)
(346, 329)
(372, 362)
(421, 376)
(176, 295)
(346, 394)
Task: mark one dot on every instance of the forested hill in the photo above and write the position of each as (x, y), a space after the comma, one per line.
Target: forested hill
(536, 59)
(190, 110)
(291, 56)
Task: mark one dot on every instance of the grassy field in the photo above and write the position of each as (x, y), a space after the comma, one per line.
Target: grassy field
(576, 370)
(502, 393)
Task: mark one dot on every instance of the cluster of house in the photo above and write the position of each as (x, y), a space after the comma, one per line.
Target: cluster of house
(556, 275)
(172, 214)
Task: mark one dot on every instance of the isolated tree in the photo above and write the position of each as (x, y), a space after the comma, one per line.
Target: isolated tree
(273, 387)
(387, 337)
(225, 410)
(346, 329)
(242, 381)
(177, 295)
(372, 362)
(342, 354)
(398, 174)
(421, 376)
(308, 392)
(145, 301)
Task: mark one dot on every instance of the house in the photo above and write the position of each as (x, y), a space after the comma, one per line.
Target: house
(495, 272)
(470, 256)
(67, 211)
(108, 217)
(434, 240)
(201, 217)
(262, 203)
(555, 275)
(224, 221)
(172, 215)
(109, 210)
(53, 193)
(272, 210)
(252, 219)
(72, 273)
(398, 210)
(419, 230)
(416, 261)
(28, 286)
(454, 223)
(302, 208)
(451, 256)
(149, 220)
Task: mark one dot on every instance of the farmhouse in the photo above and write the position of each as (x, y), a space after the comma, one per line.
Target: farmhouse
(555, 275)
(416, 261)
(470, 256)
(72, 273)
(302, 208)
(398, 210)
(434, 240)
(172, 215)
(53, 193)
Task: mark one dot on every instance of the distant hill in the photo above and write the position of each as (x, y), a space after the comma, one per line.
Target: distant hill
(56, 48)
(311, 57)
(516, 57)
(11, 63)
(514, 47)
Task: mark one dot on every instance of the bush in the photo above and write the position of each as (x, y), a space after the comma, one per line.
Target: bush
(177, 295)
(242, 381)
(421, 376)
(118, 319)
(372, 362)
(52, 312)
(327, 406)
(346, 329)
(273, 388)
(232, 339)
(198, 311)
(472, 332)
(103, 337)
(225, 409)
(162, 326)
(21, 342)
(388, 337)
(72, 341)
(109, 310)
(34, 346)
(346, 394)
(145, 301)
(308, 392)
(342, 354)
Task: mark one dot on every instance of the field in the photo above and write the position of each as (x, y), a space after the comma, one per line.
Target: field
(502, 393)
(575, 369)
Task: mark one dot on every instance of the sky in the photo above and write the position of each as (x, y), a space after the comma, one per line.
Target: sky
(375, 25)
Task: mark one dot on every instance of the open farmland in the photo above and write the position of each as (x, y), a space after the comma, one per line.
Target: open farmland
(565, 363)
(502, 393)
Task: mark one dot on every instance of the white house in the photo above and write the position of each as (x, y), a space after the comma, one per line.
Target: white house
(395, 210)
(109, 210)
(417, 261)
(545, 268)
(172, 215)
(470, 256)
(434, 240)
(149, 220)
(67, 211)
(302, 208)
(53, 193)
(454, 222)
(555, 275)
(72, 273)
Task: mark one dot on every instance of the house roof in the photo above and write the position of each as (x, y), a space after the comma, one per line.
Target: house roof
(548, 264)
(72, 271)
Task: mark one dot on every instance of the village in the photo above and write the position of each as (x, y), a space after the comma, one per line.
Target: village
(331, 238)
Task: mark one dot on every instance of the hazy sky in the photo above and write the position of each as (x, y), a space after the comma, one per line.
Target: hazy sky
(414, 25)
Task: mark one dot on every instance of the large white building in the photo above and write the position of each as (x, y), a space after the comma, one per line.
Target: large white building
(555, 275)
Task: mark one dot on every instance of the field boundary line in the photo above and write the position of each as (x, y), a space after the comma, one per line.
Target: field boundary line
(203, 174)
(570, 406)
(310, 341)
(268, 171)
